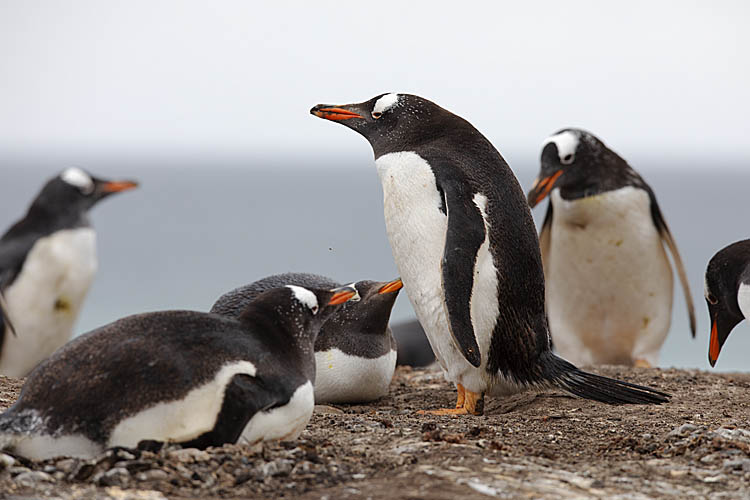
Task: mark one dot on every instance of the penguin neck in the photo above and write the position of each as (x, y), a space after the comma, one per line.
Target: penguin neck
(283, 331)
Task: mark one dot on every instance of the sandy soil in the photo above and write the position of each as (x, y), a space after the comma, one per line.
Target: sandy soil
(546, 445)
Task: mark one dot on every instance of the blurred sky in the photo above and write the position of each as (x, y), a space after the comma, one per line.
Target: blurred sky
(176, 79)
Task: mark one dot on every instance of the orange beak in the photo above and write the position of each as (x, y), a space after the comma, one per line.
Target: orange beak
(542, 188)
(713, 347)
(343, 294)
(117, 186)
(334, 114)
(392, 286)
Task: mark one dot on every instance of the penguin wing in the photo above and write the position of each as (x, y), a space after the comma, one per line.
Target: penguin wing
(464, 236)
(667, 238)
(545, 235)
(12, 257)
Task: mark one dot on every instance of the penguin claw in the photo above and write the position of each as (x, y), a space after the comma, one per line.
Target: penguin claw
(467, 403)
(445, 411)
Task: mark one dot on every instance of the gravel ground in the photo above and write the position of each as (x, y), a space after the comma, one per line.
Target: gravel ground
(545, 445)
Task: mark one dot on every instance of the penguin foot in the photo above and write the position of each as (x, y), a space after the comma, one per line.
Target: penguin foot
(641, 363)
(467, 403)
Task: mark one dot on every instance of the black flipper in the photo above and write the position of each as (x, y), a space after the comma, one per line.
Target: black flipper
(244, 396)
(464, 236)
(589, 386)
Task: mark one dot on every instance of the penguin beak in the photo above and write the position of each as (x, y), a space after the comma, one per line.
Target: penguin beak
(333, 113)
(343, 294)
(110, 187)
(391, 286)
(542, 187)
(721, 327)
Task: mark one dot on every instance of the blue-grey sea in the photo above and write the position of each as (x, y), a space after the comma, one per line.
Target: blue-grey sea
(197, 228)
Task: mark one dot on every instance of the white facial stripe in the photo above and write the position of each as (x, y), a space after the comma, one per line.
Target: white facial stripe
(566, 142)
(305, 296)
(78, 178)
(385, 103)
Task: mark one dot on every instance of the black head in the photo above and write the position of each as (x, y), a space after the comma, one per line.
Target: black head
(727, 285)
(580, 165)
(390, 122)
(298, 310)
(372, 313)
(76, 191)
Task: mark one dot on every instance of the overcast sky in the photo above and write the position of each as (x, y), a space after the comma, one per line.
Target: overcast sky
(666, 79)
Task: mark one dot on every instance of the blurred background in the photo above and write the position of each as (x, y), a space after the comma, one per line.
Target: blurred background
(206, 104)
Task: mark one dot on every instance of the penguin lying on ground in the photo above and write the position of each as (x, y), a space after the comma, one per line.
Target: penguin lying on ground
(47, 264)
(465, 245)
(355, 354)
(727, 293)
(609, 281)
(185, 377)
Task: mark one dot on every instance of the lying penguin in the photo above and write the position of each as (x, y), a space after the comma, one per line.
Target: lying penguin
(186, 377)
(727, 293)
(609, 280)
(47, 263)
(355, 353)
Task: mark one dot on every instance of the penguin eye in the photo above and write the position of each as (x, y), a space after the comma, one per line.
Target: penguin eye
(314, 309)
(711, 299)
(568, 159)
(376, 114)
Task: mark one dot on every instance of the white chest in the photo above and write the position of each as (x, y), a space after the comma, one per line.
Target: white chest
(46, 297)
(417, 230)
(343, 378)
(609, 281)
(282, 423)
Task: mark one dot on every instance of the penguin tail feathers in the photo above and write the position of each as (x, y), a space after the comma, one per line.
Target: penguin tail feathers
(589, 386)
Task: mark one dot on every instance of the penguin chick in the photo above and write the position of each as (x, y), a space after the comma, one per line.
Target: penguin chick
(186, 377)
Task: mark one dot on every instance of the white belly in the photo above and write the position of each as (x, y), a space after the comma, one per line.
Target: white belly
(609, 282)
(343, 378)
(183, 419)
(282, 423)
(417, 229)
(46, 297)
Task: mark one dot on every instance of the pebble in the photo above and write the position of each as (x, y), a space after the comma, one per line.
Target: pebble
(33, 477)
(6, 461)
(118, 476)
(188, 455)
(152, 475)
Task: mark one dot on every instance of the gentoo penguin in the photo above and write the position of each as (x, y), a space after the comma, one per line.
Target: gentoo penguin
(727, 293)
(355, 354)
(47, 263)
(609, 281)
(186, 377)
(413, 347)
(464, 242)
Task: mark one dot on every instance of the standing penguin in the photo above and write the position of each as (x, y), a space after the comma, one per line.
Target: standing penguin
(355, 353)
(609, 281)
(465, 245)
(186, 377)
(727, 293)
(47, 263)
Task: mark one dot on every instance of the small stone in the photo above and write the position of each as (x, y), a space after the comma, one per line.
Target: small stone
(6, 461)
(152, 475)
(14, 471)
(678, 473)
(118, 476)
(33, 477)
(682, 430)
(187, 455)
(327, 410)
(66, 465)
(710, 458)
(713, 479)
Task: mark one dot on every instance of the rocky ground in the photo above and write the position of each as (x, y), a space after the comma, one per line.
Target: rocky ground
(545, 445)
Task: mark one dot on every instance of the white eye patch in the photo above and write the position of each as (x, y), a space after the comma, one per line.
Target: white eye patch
(305, 296)
(385, 103)
(567, 143)
(78, 178)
